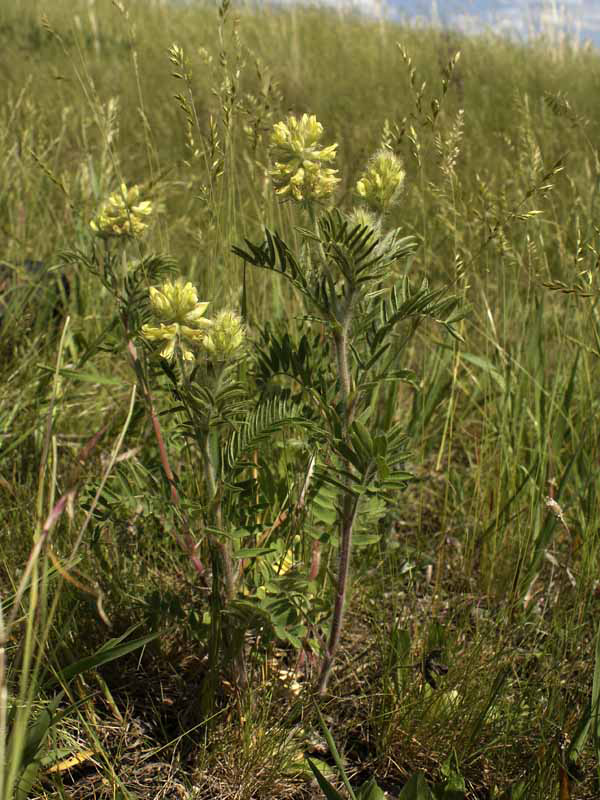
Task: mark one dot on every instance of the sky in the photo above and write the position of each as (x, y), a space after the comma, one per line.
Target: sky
(579, 19)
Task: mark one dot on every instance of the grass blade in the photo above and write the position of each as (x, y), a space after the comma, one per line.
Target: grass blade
(327, 789)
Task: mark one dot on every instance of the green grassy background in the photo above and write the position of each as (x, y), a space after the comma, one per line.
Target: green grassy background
(500, 422)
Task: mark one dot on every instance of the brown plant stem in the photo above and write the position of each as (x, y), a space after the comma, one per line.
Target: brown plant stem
(315, 560)
(56, 512)
(349, 512)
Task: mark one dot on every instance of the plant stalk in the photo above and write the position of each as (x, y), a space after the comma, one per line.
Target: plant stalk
(223, 589)
(225, 556)
(349, 512)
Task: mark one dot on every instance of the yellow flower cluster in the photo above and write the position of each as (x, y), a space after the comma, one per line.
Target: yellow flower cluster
(122, 214)
(382, 182)
(180, 315)
(182, 324)
(299, 159)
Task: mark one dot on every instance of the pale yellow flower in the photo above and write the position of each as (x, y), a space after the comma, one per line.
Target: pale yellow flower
(177, 302)
(381, 183)
(300, 170)
(180, 316)
(122, 214)
(226, 336)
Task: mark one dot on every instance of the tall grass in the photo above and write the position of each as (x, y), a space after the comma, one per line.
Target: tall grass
(470, 644)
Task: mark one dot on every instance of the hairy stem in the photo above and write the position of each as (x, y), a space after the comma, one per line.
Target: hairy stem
(226, 565)
(224, 586)
(341, 351)
(315, 560)
(349, 511)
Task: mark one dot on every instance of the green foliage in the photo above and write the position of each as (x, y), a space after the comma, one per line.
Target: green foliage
(452, 787)
(378, 482)
(28, 747)
(345, 280)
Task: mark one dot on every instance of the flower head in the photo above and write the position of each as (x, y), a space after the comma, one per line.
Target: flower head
(177, 302)
(180, 315)
(381, 183)
(122, 214)
(299, 170)
(226, 336)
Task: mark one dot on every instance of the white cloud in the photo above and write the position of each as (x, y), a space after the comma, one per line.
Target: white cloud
(577, 18)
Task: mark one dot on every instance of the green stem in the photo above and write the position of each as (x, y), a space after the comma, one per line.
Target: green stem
(225, 555)
(349, 512)
(341, 351)
(223, 587)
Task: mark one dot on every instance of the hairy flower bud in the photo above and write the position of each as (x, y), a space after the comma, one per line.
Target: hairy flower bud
(226, 336)
(365, 218)
(381, 183)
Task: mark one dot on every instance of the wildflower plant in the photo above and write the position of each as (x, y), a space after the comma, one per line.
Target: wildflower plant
(166, 329)
(231, 399)
(278, 423)
(344, 272)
